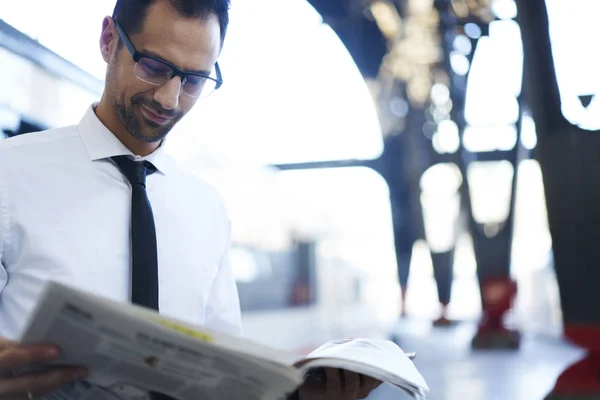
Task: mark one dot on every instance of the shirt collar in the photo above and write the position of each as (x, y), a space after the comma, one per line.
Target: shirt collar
(101, 143)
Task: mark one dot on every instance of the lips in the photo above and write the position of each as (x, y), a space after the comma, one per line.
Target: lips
(152, 116)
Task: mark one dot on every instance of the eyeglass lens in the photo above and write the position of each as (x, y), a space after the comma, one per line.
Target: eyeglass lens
(154, 72)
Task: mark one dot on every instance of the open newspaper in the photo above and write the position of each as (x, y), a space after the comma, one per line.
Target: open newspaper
(131, 351)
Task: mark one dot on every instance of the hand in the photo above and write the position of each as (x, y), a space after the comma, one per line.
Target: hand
(33, 385)
(337, 384)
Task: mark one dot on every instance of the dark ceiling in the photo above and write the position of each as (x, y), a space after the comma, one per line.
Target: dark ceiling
(357, 30)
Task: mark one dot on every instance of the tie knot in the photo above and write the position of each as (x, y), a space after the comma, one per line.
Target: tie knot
(134, 171)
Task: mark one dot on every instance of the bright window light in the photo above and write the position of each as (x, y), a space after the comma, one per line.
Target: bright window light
(292, 92)
(440, 199)
(495, 77)
(490, 187)
(573, 33)
(504, 9)
(490, 138)
(356, 207)
(460, 63)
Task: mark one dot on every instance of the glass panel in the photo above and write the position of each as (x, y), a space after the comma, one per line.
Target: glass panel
(490, 138)
(490, 188)
(495, 77)
(440, 199)
(574, 30)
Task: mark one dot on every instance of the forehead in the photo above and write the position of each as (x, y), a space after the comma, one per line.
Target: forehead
(190, 43)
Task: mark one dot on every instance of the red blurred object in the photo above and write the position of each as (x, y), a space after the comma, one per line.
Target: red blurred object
(581, 380)
(443, 319)
(498, 296)
(403, 300)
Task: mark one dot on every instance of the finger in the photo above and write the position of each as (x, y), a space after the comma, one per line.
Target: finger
(312, 391)
(367, 385)
(39, 384)
(368, 381)
(19, 356)
(351, 384)
(6, 343)
(333, 381)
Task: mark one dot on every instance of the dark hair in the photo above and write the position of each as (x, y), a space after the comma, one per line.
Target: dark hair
(131, 13)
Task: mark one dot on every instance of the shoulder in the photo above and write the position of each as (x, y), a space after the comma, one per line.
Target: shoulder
(40, 137)
(40, 156)
(37, 144)
(199, 191)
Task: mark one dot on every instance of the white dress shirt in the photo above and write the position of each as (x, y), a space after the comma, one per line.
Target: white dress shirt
(65, 215)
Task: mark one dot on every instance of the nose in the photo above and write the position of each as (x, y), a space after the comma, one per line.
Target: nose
(168, 94)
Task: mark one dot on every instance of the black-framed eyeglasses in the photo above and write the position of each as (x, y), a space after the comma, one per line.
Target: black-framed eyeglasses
(157, 72)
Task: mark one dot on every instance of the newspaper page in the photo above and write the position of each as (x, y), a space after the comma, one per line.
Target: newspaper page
(381, 359)
(131, 352)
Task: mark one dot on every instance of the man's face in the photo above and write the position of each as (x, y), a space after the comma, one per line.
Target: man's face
(146, 111)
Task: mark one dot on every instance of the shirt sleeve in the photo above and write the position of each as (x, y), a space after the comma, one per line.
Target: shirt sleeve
(223, 306)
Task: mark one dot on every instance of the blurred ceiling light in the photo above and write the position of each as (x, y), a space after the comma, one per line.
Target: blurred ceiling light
(441, 178)
(419, 6)
(418, 89)
(399, 107)
(440, 94)
(460, 8)
(418, 49)
(490, 138)
(460, 64)
(446, 139)
(387, 18)
(472, 30)
(481, 9)
(415, 49)
(439, 114)
(402, 69)
(441, 111)
(462, 44)
(504, 9)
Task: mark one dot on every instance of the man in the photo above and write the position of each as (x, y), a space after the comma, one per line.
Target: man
(100, 205)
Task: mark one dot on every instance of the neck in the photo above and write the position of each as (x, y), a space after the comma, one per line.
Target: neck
(106, 115)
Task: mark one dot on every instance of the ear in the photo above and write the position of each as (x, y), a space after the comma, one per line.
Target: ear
(108, 38)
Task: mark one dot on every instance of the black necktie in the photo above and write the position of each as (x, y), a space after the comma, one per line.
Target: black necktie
(144, 274)
(144, 269)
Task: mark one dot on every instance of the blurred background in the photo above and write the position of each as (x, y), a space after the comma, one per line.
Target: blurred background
(417, 170)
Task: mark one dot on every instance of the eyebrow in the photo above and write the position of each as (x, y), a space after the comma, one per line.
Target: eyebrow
(156, 55)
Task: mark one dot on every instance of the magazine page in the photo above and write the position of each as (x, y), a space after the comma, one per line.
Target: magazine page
(131, 351)
(380, 359)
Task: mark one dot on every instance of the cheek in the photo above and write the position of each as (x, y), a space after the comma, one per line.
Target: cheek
(186, 103)
(124, 83)
(132, 92)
